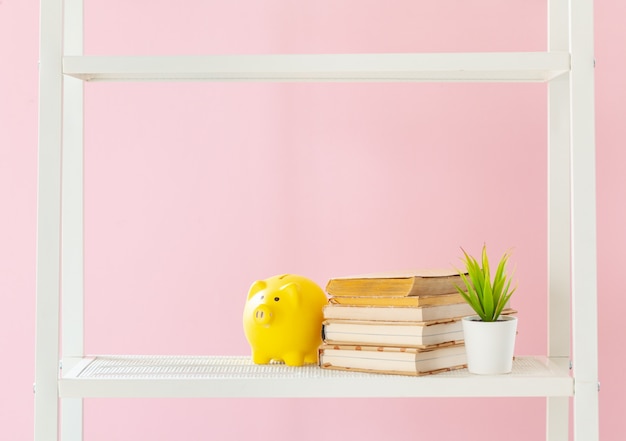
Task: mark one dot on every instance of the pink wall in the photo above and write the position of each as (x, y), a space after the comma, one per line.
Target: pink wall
(317, 179)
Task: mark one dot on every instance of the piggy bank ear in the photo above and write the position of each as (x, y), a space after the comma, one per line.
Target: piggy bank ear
(292, 291)
(257, 286)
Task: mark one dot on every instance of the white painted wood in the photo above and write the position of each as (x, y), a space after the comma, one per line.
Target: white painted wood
(557, 422)
(72, 187)
(583, 181)
(559, 250)
(72, 226)
(232, 376)
(559, 231)
(516, 66)
(559, 255)
(48, 222)
(71, 419)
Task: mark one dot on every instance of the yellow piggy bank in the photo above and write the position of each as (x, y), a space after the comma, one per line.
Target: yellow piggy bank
(282, 320)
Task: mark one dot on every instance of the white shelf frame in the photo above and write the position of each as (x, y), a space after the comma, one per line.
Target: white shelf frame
(508, 66)
(237, 377)
(567, 66)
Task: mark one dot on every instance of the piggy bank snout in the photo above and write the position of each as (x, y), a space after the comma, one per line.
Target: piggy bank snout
(262, 315)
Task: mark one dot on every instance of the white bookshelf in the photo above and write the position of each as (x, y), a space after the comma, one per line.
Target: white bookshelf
(566, 66)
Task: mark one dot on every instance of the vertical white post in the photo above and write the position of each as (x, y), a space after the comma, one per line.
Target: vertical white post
(48, 221)
(584, 270)
(559, 211)
(72, 320)
(559, 285)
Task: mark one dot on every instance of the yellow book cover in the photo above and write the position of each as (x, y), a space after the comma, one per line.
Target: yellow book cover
(396, 283)
(442, 299)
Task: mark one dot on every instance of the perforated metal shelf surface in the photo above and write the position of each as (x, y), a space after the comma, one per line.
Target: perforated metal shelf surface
(233, 367)
(237, 376)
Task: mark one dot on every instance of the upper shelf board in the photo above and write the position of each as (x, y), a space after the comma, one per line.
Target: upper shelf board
(432, 67)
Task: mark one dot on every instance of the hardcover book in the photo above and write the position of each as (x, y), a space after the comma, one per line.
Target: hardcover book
(397, 283)
(396, 334)
(396, 313)
(371, 300)
(390, 360)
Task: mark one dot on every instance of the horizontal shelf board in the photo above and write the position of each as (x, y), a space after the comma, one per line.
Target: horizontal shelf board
(238, 377)
(501, 66)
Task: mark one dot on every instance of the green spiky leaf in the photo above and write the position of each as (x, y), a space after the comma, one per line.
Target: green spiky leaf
(485, 295)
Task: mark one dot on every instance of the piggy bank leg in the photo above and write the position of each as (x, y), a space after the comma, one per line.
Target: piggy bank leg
(311, 357)
(294, 359)
(260, 358)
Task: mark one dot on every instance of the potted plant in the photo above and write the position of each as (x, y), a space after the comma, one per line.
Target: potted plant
(489, 336)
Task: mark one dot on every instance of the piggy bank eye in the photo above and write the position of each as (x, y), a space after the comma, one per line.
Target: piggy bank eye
(276, 299)
(262, 297)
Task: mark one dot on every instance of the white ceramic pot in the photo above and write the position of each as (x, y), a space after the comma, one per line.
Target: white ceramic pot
(489, 345)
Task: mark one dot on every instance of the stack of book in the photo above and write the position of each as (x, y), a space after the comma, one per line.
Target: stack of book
(405, 322)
